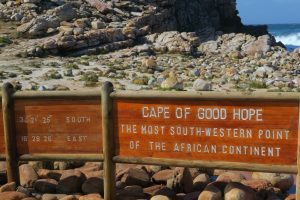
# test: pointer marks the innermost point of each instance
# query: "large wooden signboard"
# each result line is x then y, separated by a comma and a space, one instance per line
261, 132
61, 126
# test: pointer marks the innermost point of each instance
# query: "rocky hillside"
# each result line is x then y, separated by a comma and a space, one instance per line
94, 26
140, 45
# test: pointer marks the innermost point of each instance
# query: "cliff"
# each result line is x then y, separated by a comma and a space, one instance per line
94, 26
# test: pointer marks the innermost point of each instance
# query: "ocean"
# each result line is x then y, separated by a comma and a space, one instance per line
288, 34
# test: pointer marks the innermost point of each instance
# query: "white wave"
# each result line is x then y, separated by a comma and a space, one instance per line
291, 39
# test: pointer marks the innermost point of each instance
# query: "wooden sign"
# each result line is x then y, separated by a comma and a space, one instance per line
259, 132
58, 126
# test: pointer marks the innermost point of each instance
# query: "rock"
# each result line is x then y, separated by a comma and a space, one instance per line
257, 184
237, 191
172, 82
261, 45
153, 190
263, 72
8, 187
160, 197
70, 182
70, 197
27, 175
200, 182
53, 196
45, 185
65, 12
282, 181
100, 6
210, 193
12, 195
165, 192
30, 198
91, 197
26, 191
38, 164
98, 24
237, 45
93, 185
181, 181
230, 177
162, 176
49, 174
192, 196
202, 85
176, 42
291, 197
135, 176
149, 63
131, 192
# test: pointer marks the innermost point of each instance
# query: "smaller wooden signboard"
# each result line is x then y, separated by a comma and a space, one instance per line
60, 126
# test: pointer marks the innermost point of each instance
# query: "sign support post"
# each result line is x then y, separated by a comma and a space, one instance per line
108, 142
10, 134
298, 161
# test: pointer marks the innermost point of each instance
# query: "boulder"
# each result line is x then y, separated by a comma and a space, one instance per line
200, 182
8, 187
93, 185
12, 195
135, 176
131, 192
238, 191
162, 176
230, 177
282, 181
91, 197
172, 82
176, 42
160, 197
27, 175
210, 193
181, 181
202, 85
46, 185
53, 196
70, 182
257, 184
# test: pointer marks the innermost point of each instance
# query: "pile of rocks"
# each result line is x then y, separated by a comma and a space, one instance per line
94, 26
144, 182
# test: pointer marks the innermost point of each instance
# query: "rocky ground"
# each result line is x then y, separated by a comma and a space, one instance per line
129, 44
84, 181
180, 45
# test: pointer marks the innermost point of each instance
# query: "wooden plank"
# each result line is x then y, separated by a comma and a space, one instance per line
108, 143
58, 126
61, 157
95, 94
208, 164
9, 133
205, 95
185, 130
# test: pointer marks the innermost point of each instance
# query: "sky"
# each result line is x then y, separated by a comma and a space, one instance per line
269, 11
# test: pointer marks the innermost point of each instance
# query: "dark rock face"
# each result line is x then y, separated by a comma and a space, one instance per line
204, 17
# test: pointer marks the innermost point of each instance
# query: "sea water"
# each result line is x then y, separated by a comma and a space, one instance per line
288, 34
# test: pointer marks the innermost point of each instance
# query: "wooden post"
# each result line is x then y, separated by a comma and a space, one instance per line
9, 133
298, 160
108, 142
